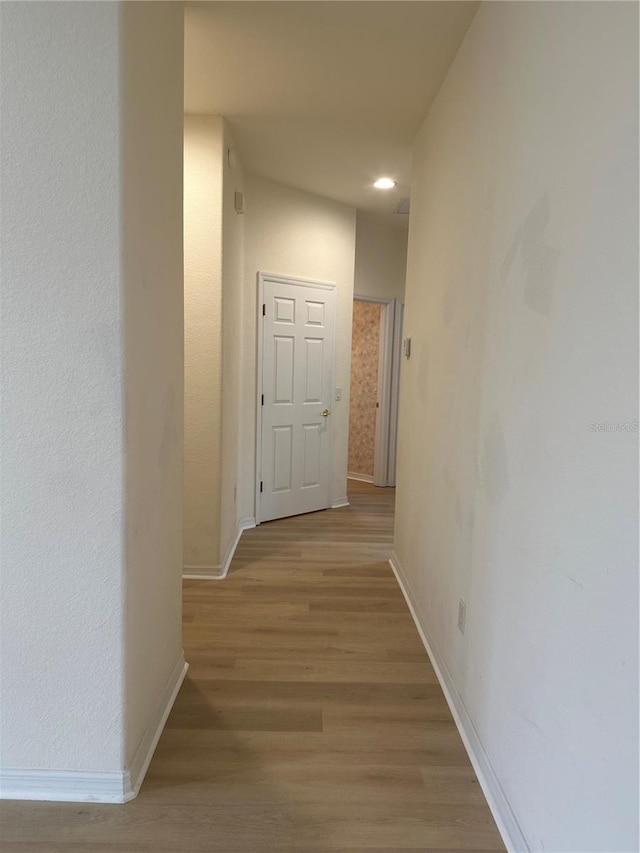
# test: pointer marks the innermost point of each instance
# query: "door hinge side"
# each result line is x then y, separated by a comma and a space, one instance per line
261, 485
263, 399
264, 310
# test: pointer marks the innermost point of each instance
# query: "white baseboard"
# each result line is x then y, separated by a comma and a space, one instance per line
242, 525
219, 572
362, 478
501, 810
147, 746
339, 502
79, 786
67, 786
201, 573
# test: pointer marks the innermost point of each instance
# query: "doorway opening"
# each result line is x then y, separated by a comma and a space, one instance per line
375, 376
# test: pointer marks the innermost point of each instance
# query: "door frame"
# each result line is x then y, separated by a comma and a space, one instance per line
398, 323
261, 278
389, 356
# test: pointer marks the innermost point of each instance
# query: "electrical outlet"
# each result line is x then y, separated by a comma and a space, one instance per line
462, 615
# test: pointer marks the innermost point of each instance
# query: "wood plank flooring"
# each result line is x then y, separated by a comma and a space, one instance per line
310, 721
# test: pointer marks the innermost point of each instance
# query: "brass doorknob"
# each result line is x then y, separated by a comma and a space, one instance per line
325, 413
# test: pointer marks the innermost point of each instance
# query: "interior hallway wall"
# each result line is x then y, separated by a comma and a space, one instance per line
293, 233
91, 388
286, 230
381, 256
203, 177
152, 63
517, 489
63, 513
214, 273
365, 351
233, 367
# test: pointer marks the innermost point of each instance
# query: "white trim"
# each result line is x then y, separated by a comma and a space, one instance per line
501, 810
258, 435
362, 478
78, 786
398, 321
241, 526
288, 279
385, 362
202, 573
261, 277
147, 746
67, 786
378, 300
339, 503
218, 573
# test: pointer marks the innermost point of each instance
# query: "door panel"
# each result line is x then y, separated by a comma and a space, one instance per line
285, 311
312, 454
297, 373
314, 361
284, 349
315, 313
282, 462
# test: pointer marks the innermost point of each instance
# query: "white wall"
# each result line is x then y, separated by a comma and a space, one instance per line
62, 386
522, 305
152, 66
87, 300
297, 234
381, 257
203, 169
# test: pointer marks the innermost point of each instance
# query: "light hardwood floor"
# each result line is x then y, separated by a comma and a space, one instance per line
311, 719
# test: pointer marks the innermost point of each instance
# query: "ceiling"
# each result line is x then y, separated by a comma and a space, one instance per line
323, 96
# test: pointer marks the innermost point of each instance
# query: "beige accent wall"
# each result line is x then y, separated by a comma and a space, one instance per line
233, 367
365, 351
214, 268
517, 451
203, 173
293, 233
381, 256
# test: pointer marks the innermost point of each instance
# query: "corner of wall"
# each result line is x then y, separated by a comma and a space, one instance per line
203, 351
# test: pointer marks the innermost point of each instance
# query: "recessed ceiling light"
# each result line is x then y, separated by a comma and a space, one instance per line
384, 184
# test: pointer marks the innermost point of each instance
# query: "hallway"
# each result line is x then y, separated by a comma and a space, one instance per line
310, 720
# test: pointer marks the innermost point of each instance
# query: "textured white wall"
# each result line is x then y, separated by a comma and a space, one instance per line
293, 233
62, 389
203, 157
152, 133
522, 305
381, 257
91, 423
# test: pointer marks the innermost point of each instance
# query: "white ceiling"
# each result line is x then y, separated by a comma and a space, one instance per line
323, 96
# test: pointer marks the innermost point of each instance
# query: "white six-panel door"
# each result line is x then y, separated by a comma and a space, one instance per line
294, 453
